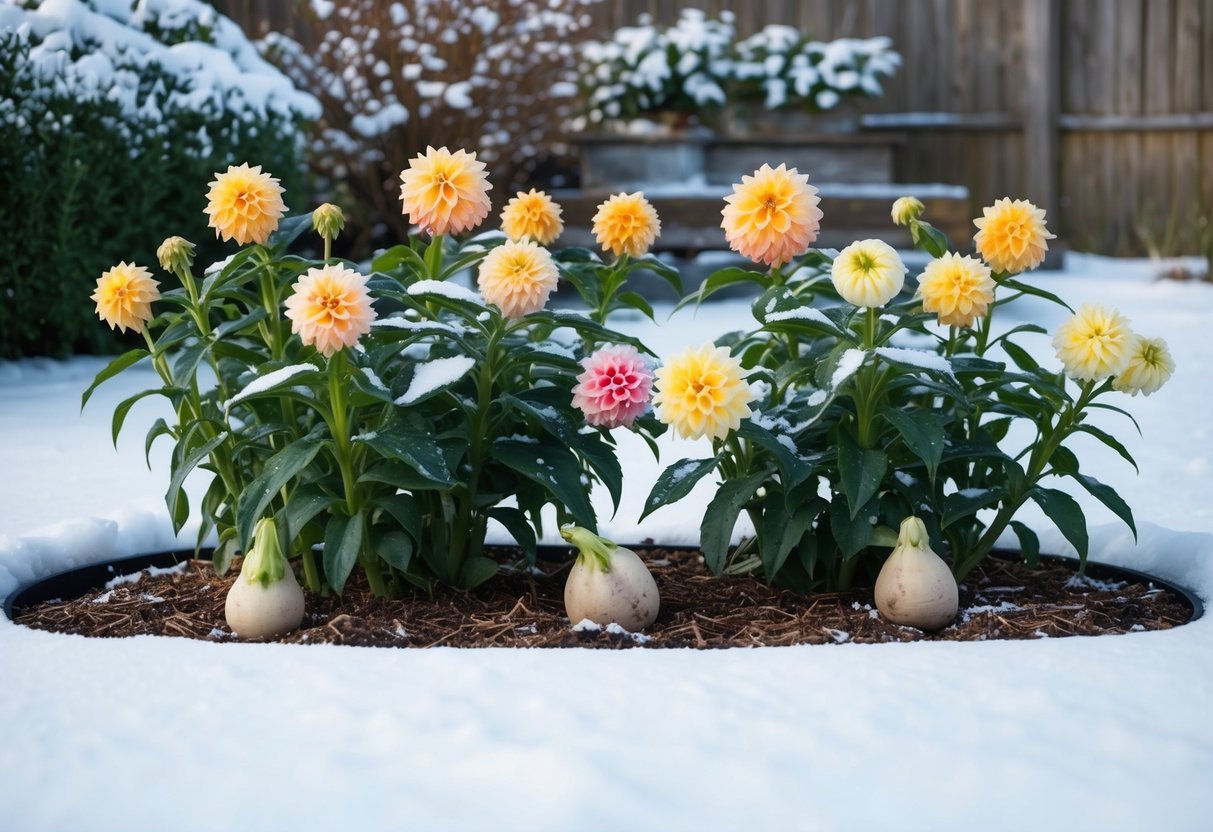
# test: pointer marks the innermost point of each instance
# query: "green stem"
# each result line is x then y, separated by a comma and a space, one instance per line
1050, 441
339, 426
467, 536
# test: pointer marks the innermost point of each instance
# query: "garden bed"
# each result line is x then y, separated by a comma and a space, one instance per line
1002, 599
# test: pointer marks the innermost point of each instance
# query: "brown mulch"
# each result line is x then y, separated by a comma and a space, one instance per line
524, 607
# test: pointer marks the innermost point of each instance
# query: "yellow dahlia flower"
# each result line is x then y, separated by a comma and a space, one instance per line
868, 273
517, 278
1094, 343
905, 209
1150, 366
702, 392
626, 224
1011, 236
444, 192
958, 289
772, 216
124, 297
330, 308
244, 204
532, 216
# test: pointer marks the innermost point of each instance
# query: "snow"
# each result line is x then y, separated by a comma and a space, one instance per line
850, 362
917, 358
1109, 733
801, 313
269, 381
432, 375
444, 289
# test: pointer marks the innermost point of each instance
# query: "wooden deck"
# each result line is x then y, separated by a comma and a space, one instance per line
690, 216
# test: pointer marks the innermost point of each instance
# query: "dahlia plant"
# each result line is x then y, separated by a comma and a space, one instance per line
380, 417
832, 422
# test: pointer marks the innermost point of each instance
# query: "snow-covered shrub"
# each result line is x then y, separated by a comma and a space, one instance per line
783, 68
658, 71
394, 78
110, 113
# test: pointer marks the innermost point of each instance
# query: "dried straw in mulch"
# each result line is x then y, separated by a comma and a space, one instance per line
524, 607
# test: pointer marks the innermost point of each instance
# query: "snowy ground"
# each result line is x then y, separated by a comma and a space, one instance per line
149, 733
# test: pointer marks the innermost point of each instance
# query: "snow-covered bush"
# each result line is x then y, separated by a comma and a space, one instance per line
656, 71
394, 78
696, 67
110, 112
783, 68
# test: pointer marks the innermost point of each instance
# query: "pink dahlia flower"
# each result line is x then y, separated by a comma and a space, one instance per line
615, 387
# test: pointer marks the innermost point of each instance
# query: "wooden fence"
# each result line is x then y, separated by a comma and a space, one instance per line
1101, 110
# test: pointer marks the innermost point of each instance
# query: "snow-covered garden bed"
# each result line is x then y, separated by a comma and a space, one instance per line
1107, 732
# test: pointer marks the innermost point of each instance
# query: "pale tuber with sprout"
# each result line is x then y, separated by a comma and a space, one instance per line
265, 600
915, 587
608, 584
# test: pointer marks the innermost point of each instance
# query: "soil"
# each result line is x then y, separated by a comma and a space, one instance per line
524, 607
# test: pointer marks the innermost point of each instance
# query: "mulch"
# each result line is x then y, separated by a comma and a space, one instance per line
524, 607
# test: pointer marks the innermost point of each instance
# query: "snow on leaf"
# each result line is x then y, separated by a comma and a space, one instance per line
434, 375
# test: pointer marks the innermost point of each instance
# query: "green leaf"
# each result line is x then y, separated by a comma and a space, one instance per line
721, 516
185, 365
269, 386
221, 558
404, 477
717, 280
929, 238
396, 549
1020, 356
404, 510
676, 481
554, 468
476, 570
792, 469
240, 324
413, 447
852, 534
861, 471
1112, 442
637, 301
124, 407
1108, 496
1063, 461
174, 498
451, 370
278, 471
962, 504
342, 542
395, 257
782, 529
516, 524
1029, 543
289, 229
159, 428
304, 504
112, 369
1066, 514
1029, 289
923, 434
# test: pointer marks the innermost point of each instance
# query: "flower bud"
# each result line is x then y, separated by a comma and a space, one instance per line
176, 254
905, 209
328, 220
